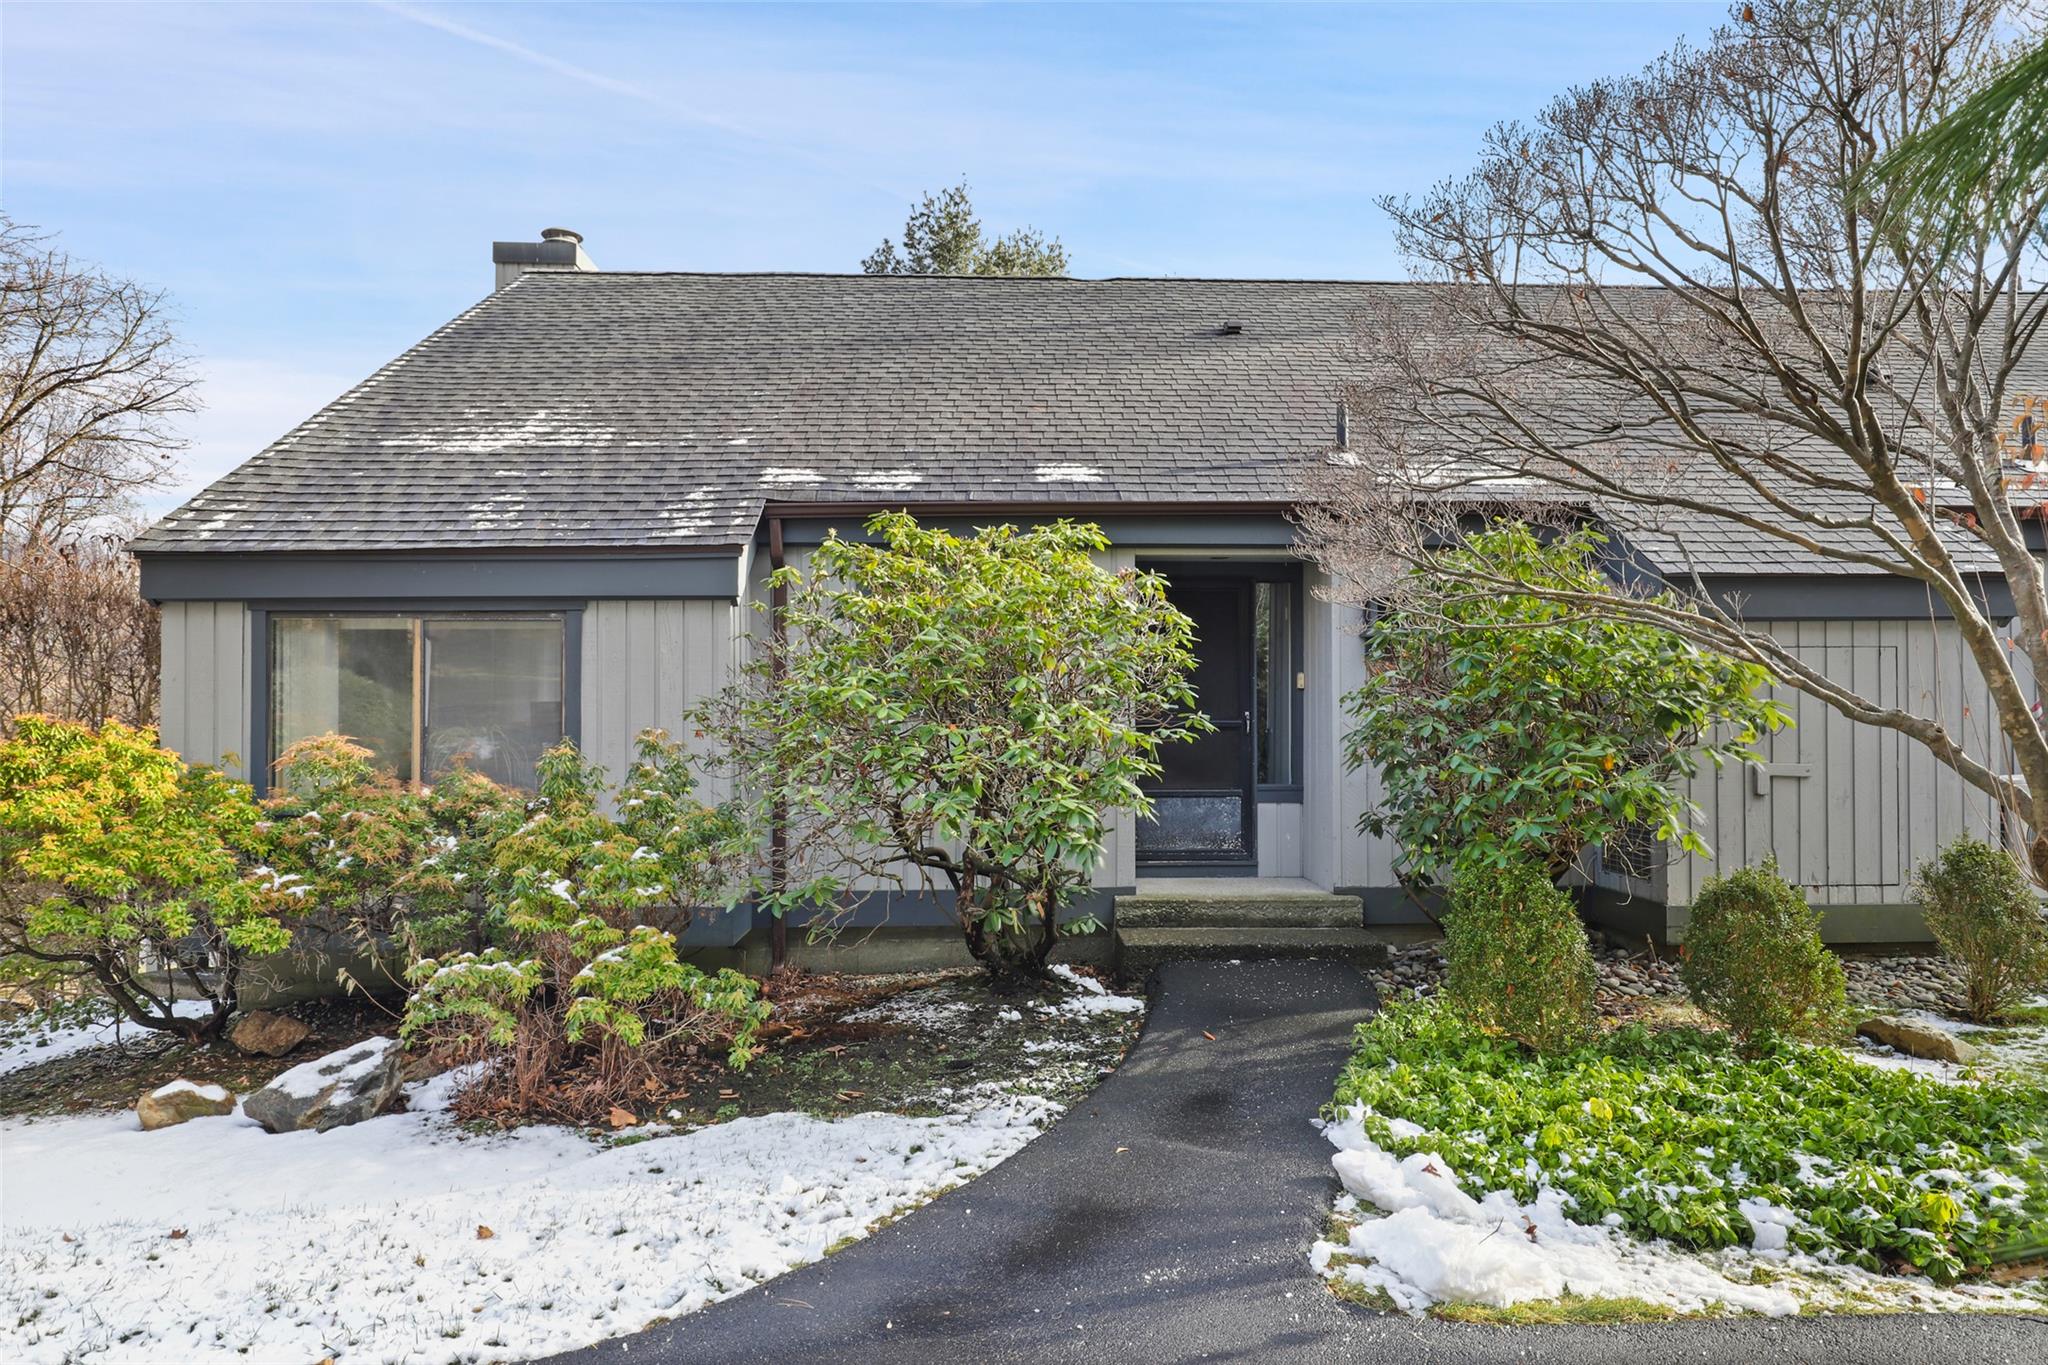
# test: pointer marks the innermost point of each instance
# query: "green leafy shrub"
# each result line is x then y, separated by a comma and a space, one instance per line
1518, 964
1986, 915
356, 852
1753, 958
586, 1003
119, 865
970, 708
1672, 1131
1507, 727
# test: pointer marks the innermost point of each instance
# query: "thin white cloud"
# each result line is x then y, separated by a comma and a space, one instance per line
598, 80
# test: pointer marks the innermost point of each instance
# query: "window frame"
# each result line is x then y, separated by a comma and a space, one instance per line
262, 655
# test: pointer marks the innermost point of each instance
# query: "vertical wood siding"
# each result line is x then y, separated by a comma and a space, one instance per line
1850, 810
205, 691
1280, 839
645, 663
1333, 851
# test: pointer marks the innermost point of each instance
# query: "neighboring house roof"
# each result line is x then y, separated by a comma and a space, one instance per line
644, 411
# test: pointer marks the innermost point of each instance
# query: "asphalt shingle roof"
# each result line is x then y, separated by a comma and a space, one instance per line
662, 410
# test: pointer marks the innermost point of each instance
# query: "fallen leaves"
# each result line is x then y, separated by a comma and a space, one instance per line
621, 1118
177, 1235
484, 1234
1210, 1036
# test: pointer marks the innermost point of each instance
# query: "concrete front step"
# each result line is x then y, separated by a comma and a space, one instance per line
1140, 950
1225, 910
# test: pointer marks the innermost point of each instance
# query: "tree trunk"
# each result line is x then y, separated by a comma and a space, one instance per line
1015, 959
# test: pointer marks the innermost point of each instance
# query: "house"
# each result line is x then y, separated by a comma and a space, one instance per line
555, 515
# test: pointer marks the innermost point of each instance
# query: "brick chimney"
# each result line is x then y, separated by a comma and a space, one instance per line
557, 249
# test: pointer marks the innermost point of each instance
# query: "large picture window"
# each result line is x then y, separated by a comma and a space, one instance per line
423, 691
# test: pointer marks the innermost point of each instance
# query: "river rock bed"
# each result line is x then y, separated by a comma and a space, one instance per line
1894, 980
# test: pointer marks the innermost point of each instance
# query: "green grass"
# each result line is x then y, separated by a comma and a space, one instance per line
1672, 1130
1566, 1308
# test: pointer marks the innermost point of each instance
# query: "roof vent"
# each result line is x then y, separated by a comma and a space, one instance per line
1230, 329
559, 249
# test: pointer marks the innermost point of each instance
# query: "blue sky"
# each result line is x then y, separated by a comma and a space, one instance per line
317, 186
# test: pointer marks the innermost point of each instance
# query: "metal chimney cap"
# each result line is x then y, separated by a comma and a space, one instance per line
560, 235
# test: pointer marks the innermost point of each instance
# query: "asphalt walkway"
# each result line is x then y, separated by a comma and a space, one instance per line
1168, 1217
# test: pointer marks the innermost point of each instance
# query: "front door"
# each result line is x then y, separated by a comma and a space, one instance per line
1205, 810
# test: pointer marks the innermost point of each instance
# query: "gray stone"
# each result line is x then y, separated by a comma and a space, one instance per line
344, 1087
268, 1034
1916, 1039
181, 1101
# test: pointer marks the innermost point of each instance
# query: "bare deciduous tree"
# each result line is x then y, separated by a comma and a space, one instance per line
1659, 306
91, 385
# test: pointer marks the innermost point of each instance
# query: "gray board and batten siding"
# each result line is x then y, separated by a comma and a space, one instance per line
1849, 810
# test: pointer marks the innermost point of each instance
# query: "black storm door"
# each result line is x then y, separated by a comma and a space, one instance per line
1205, 809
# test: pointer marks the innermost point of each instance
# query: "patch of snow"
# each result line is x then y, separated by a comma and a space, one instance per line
930, 1010
308, 1079
365, 1243
778, 476
181, 1086
888, 480
1886, 1059
1067, 473
31, 1042
1089, 996
1940, 1022
1439, 1244
542, 430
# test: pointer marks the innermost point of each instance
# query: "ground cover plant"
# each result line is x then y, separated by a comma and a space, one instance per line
971, 708
1681, 1135
1984, 912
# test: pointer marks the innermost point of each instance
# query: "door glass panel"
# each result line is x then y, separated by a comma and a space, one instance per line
493, 696
1195, 826
1273, 680
348, 675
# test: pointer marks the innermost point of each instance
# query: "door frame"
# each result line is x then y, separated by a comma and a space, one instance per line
1243, 574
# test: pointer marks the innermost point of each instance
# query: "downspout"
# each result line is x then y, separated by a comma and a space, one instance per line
778, 815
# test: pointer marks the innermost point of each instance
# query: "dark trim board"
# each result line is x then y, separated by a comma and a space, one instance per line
480, 580
1842, 597
1390, 904
1229, 528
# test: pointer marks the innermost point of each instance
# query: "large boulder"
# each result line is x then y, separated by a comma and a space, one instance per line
182, 1100
1916, 1039
268, 1034
343, 1087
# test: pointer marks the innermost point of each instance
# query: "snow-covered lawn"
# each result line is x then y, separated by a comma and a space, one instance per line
38, 1038
1416, 1235
410, 1239
404, 1239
